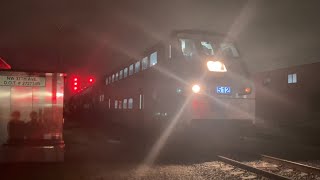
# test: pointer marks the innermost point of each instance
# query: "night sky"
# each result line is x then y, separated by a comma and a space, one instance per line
93, 37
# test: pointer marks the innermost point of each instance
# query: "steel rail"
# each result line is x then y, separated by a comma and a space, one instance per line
257, 171
291, 164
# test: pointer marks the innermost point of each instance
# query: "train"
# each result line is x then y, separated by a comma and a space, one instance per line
193, 77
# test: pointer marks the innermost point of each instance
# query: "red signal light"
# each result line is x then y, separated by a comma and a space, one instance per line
91, 80
75, 84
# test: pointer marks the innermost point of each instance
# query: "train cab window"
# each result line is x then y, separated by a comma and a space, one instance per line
206, 48
153, 59
130, 103
125, 103
116, 104
130, 69
120, 74
188, 47
144, 63
137, 67
117, 76
112, 77
125, 72
229, 50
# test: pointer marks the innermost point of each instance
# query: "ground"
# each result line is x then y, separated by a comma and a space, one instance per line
110, 152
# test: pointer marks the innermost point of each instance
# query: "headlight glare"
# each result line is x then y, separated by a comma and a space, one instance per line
196, 88
216, 66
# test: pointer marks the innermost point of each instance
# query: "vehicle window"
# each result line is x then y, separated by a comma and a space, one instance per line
206, 48
229, 50
116, 104
112, 77
120, 104
144, 63
130, 103
125, 72
137, 67
153, 59
120, 74
130, 69
107, 81
117, 75
109, 104
125, 104
188, 47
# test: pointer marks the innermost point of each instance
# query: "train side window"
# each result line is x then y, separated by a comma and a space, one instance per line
130, 69
125, 104
116, 104
125, 72
153, 59
112, 77
141, 102
130, 103
109, 104
117, 76
120, 104
120, 74
144, 63
107, 81
137, 67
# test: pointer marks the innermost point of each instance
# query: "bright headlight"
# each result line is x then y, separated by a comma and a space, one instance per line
196, 88
216, 66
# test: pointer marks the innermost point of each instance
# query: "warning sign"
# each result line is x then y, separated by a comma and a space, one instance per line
22, 81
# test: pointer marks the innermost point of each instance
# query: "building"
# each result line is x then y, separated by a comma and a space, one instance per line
289, 97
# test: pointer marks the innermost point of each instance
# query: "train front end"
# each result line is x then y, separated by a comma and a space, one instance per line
218, 86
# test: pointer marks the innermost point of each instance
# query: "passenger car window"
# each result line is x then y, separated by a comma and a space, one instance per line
120, 74
130, 103
125, 104
125, 72
144, 63
116, 104
137, 67
153, 59
130, 69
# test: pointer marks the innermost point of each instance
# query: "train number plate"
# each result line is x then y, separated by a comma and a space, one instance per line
223, 90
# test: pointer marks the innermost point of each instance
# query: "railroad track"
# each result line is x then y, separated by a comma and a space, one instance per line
275, 168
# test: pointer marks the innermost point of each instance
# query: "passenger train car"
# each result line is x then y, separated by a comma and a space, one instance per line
194, 77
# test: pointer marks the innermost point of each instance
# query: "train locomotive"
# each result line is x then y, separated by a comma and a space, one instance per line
193, 77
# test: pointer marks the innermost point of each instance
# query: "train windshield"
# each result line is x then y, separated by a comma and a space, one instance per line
191, 48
